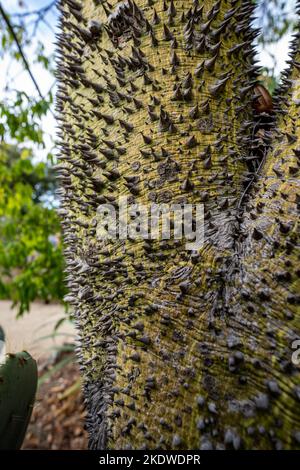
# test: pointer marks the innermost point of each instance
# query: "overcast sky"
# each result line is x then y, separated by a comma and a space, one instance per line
20, 80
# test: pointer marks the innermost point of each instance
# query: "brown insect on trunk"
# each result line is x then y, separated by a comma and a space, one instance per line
263, 102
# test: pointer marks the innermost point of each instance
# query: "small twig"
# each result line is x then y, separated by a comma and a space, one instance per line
48, 24
27, 67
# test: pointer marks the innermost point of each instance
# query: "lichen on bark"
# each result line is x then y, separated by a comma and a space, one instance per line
178, 349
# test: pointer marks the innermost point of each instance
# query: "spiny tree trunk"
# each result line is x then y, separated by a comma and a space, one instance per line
179, 349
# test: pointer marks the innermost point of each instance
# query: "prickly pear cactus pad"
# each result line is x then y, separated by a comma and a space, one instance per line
2, 345
179, 349
18, 383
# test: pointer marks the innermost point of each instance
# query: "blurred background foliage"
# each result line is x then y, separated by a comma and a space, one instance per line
276, 21
31, 252
275, 18
31, 258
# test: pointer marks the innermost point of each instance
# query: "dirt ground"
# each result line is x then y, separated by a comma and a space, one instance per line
57, 421
32, 331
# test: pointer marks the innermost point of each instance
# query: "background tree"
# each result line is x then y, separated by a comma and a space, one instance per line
180, 349
31, 260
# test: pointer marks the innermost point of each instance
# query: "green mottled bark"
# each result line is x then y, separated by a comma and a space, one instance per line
179, 349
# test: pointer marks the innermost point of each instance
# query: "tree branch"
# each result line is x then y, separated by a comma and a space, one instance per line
26, 64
